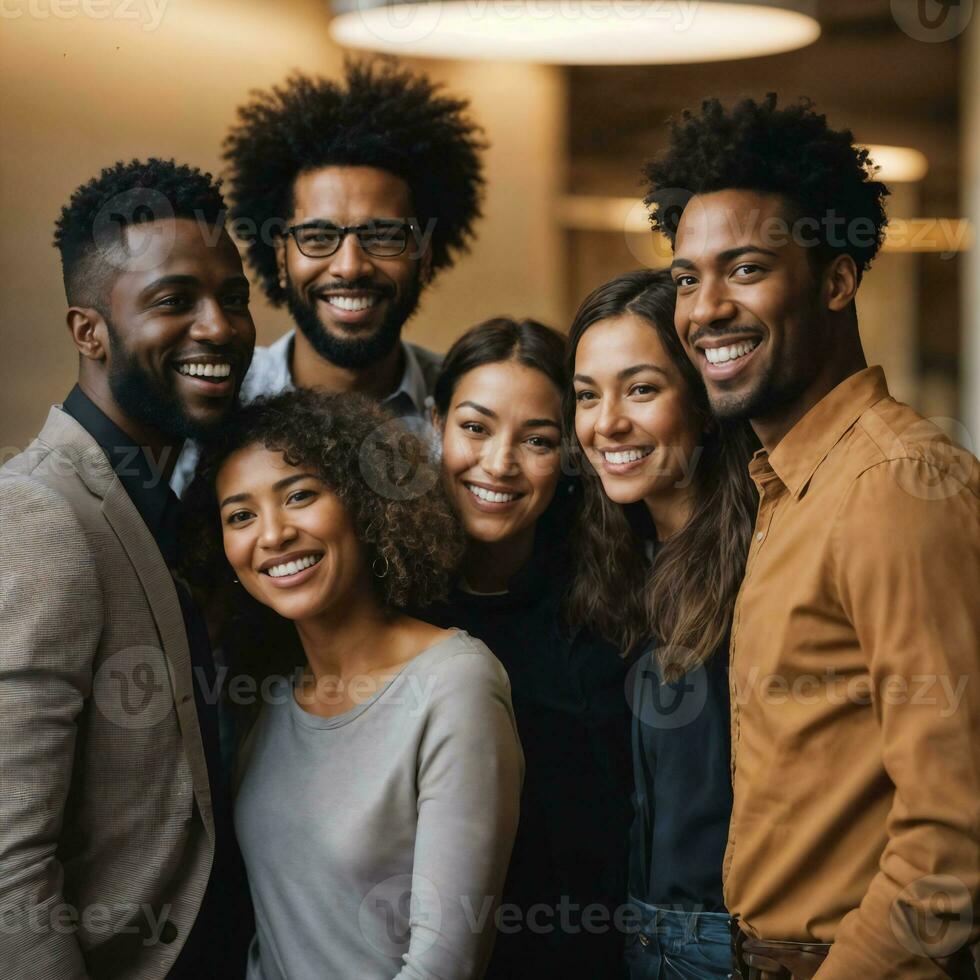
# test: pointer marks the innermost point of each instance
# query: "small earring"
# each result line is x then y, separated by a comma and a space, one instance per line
374, 566
282, 282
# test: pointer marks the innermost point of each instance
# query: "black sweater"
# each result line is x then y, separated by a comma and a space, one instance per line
571, 851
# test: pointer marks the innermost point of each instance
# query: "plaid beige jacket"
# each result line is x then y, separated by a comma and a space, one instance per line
104, 857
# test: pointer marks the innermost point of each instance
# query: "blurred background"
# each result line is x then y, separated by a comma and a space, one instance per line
84, 83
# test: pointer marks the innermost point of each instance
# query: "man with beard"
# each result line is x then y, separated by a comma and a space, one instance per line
117, 855
351, 197
854, 848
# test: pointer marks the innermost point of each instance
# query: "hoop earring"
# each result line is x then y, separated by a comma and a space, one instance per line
374, 567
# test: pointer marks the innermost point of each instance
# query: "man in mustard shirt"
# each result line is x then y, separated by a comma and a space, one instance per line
854, 848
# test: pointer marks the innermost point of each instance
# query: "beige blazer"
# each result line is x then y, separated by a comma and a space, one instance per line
104, 857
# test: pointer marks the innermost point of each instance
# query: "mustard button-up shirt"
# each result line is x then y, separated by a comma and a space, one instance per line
856, 691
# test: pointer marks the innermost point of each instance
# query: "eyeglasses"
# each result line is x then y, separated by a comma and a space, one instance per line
382, 239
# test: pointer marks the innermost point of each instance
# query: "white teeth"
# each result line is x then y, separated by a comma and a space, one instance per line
209, 370
719, 355
352, 303
292, 567
628, 456
490, 496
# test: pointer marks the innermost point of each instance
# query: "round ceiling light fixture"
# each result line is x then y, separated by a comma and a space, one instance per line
898, 164
580, 32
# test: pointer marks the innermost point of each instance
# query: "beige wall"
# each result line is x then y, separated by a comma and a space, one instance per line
78, 93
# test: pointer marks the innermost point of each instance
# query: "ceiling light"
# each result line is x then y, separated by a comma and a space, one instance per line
585, 32
898, 164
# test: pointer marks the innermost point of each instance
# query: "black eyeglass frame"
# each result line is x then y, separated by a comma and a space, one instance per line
408, 224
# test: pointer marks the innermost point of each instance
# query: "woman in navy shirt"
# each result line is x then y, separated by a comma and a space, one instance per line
659, 554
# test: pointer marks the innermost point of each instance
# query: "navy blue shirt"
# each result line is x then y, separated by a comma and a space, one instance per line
571, 850
683, 801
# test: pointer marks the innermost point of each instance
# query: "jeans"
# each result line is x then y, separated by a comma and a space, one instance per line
674, 945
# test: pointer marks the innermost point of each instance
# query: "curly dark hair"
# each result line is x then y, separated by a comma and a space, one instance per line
124, 194
418, 538
381, 116
787, 151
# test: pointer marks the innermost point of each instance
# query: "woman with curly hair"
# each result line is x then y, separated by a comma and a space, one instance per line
498, 411
379, 783
660, 547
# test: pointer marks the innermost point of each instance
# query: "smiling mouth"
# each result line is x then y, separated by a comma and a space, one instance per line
732, 352
213, 371
621, 456
292, 567
491, 496
350, 304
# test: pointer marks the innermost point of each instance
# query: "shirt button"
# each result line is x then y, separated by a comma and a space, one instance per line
759, 536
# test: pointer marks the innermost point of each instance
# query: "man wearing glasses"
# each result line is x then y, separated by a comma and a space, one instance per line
350, 198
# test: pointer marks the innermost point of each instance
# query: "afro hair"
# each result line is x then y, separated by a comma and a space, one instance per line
124, 194
380, 116
789, 152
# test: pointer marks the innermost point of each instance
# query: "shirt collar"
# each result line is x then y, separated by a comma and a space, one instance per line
408, 398
141, 475
413, 382
807, 444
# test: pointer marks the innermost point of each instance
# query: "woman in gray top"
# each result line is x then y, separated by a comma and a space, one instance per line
379, 780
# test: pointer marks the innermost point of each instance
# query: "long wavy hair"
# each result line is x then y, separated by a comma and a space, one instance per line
683, 599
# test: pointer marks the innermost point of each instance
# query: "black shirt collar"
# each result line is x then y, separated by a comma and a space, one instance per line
140, 474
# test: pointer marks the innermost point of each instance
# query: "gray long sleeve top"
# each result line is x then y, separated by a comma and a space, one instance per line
376, 841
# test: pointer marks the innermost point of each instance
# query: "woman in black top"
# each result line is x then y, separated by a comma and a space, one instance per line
498, 412
660, 552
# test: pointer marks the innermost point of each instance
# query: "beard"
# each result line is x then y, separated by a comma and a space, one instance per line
147, 399
354, 352
770, 393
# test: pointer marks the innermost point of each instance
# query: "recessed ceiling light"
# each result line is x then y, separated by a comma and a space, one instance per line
584, 32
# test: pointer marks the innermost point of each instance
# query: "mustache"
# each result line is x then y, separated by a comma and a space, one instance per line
363, 284
741, 333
